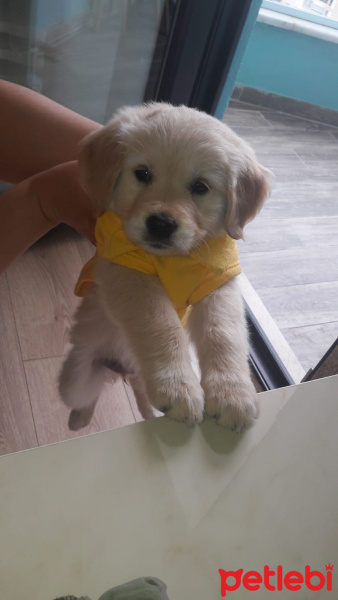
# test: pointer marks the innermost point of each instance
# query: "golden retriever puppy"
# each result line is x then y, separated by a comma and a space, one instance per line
174, 188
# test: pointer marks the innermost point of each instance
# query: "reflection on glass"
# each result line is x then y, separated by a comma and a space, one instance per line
91, 56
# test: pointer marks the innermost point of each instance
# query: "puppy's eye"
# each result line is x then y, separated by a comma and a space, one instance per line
142, 174
199, 187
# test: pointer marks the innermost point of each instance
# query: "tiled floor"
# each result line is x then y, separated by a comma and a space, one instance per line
291, 251
36, 308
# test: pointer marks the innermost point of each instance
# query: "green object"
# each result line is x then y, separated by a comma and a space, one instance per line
143, 588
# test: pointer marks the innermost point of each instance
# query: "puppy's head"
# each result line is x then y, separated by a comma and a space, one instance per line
175, 176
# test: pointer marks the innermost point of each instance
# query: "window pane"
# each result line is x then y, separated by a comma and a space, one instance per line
322, 8
90, 56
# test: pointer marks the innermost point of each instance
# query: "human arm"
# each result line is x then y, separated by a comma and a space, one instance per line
38, 151
36, 132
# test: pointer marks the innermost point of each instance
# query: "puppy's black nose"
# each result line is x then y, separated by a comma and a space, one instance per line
161, 226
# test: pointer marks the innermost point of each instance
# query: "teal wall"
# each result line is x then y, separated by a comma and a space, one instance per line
238, 57
291, 64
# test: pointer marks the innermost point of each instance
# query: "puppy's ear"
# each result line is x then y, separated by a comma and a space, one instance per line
247, 195
99, 163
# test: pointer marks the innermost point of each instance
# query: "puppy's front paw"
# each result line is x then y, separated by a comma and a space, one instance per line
179, 396
234, 404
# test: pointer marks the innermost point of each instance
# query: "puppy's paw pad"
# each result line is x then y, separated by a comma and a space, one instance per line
185, 413
234, 406
238, 418
179, 399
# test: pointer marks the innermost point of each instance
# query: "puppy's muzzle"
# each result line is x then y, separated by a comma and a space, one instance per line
160, 227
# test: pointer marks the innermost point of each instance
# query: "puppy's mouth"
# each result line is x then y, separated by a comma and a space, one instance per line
158, 245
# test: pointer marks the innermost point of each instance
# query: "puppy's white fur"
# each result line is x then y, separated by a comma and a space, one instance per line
127, 318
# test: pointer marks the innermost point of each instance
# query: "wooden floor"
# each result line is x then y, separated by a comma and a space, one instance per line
291, 251
36, 306
290, 257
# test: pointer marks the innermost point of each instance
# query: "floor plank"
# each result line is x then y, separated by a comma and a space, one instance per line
299, 306
244, 118
311, 342
303, 202
295, 266
285, 122
51, 415
17, 431
41, 284
270, 234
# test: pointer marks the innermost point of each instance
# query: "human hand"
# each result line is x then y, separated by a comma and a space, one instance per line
39, 203
62, 199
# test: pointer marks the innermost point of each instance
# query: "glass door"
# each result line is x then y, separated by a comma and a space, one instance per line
95, 56
90, 56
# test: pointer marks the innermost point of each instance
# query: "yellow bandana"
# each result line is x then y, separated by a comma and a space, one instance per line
186, 279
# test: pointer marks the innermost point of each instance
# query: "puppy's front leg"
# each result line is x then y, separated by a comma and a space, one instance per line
157, 340
218, 330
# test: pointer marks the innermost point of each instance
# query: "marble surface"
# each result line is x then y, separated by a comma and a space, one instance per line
159, 499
